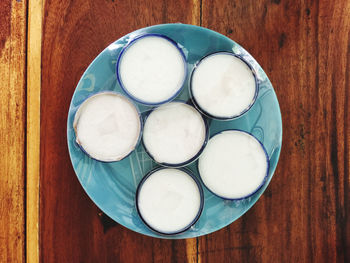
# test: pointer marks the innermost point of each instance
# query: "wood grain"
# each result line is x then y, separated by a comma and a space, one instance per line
12, 127
72, 229
304, 214
33, 128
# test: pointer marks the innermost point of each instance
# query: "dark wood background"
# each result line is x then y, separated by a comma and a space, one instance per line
304, 47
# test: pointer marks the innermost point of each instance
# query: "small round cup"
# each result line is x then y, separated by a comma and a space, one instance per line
189, 161
193, 222
125, 89
77, 116
256, 189
205, 112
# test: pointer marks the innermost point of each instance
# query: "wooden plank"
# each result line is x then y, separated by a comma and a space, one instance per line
72, 229
33, 128
192, 243
12, 129
304, 214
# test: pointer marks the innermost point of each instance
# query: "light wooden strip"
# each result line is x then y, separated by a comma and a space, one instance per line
33, 126
191, 250
196, 12
12, 127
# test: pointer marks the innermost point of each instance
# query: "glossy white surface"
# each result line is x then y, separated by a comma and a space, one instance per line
152, 69
169, 200
174, 133
107, 126
233, 165
223, 85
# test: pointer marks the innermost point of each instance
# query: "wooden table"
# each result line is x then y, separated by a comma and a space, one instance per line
304, 47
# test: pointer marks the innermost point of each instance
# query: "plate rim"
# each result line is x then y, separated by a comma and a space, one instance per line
262, 189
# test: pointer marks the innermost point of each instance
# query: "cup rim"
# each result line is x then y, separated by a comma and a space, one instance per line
133, 41
200, 210
192, 159
262, 182
206, 113
75, 121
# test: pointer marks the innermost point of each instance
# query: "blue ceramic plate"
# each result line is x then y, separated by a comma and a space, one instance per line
112, 186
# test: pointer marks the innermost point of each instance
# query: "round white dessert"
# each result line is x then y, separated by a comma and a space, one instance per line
152, 69
107, 126
174, 134
169, 200
233, 165
223, 86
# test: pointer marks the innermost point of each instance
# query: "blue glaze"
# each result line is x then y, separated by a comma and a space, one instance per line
112, 186
121, 57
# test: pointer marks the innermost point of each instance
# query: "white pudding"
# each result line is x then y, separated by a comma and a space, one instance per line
174, 133
233, 165
152, 69
107, 126
223, 86
169, 200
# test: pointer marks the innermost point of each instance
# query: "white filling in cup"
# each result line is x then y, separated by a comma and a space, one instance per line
152, 69
169, 201
107, 126
174, 134
223, 86
234, 165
